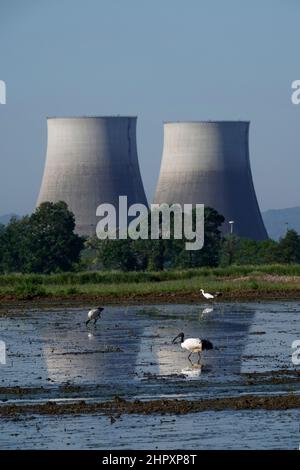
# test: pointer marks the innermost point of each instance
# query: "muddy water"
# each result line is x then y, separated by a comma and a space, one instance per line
207, 430
55, 357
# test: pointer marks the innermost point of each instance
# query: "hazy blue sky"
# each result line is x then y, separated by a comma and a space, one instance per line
159, 59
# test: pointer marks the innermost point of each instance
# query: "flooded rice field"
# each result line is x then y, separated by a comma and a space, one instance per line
53, 358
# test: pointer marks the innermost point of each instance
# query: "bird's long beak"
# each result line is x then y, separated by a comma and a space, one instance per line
174, 340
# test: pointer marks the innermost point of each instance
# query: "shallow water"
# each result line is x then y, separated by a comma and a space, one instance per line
130, 354
207, 430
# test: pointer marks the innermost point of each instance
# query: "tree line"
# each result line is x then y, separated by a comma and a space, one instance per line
45, 242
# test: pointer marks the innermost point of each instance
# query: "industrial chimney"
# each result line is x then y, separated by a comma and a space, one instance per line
90, 161
208, 163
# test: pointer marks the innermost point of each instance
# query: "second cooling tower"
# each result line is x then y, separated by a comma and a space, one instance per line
208, 163
90, 161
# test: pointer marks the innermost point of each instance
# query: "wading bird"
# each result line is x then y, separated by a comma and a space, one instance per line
194, 345
94, 315
209, 296
207, 310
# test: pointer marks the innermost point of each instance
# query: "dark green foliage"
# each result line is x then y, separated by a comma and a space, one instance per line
45, 243
289, 248
52, 244
242, 251
2, 245
117, 254
13, 245
209, 255
156, 255
42, 243
27, 290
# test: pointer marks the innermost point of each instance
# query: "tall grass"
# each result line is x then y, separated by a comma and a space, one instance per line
116, 277
164, 289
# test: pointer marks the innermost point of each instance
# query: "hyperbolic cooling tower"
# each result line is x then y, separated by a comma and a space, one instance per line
208, 163
90, 161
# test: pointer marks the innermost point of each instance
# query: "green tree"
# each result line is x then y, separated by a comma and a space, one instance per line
51, 242
2, 246
44, 242
229, 249
289, 247
14, 244
117, 254
128, 255
156, 255
159, 254
241, 251
209, 255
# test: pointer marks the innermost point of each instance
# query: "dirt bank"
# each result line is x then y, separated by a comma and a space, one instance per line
185, 297
119, 406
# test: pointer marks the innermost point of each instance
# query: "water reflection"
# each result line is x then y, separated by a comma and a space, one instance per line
204, 312
106, 354
192, 372
274, 327
130, 345
226, 326
207, 310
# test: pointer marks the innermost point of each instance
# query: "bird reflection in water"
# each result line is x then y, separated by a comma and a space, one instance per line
206, 311
192, 372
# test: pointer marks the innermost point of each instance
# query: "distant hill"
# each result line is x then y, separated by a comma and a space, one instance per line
4, 219
276, 219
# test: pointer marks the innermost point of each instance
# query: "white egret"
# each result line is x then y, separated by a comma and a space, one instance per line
94, 315
207, 310
209, 296
194, 345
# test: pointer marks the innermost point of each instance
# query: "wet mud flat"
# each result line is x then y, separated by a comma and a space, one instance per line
127, 368
238, 294
119, 406
206, 430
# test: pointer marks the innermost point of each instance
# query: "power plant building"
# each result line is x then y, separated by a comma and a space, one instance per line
208, 163
90, 161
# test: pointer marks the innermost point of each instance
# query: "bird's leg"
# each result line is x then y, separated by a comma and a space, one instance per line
87, 322
190, 356
95, 321
199, 359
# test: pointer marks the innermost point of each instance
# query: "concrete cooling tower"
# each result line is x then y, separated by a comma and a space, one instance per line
90, 161
208, 163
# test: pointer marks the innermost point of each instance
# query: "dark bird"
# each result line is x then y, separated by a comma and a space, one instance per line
94, 315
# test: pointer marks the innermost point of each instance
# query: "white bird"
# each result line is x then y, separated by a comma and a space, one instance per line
209, 296
94, 314
194, 345
207, 310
